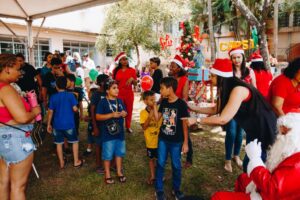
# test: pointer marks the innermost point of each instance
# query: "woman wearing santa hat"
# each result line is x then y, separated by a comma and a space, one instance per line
234, 133
126, 78
262, 75
277, 180
242, 102
178, 72
284, 92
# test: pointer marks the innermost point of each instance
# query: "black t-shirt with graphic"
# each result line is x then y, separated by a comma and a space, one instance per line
172, 126
49, 82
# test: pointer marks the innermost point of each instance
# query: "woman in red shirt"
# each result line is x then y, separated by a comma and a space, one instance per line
262, 75
126, 78
284, 92
182, 91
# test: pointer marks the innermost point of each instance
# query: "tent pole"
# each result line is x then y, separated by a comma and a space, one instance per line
30, 47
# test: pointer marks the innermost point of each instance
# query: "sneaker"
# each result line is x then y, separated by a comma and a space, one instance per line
178, 194
100, 170
129, 130
160, 195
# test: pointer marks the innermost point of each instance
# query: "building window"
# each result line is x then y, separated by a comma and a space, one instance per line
168, 27
297, 15
80, 47
13, 45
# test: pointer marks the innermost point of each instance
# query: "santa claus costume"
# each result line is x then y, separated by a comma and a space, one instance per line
278, 179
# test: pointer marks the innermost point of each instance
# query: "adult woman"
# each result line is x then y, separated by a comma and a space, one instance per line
126, 77
234, 133
178, 72
16, 147
262, 75
242, 102
284, 92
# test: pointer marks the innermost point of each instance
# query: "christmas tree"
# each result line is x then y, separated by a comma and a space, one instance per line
187, 41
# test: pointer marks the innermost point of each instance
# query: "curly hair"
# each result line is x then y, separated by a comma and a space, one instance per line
7, 60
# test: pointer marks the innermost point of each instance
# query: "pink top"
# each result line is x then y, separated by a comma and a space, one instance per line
5, 115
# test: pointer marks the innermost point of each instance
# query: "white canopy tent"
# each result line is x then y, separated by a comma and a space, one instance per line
30, 10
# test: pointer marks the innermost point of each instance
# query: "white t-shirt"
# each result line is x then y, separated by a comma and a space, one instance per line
80, 72
89, 64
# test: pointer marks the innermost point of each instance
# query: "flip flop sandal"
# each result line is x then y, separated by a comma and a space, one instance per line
80, 165
122, 179
109, 181
65, 163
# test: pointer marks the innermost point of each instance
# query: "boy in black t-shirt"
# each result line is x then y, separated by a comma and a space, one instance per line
173, 136
157, 74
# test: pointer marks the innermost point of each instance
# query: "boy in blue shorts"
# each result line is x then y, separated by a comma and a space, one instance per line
173, 136
62, 106
111, 112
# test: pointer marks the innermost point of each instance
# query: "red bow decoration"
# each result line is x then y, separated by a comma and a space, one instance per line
189, 64
181, 25
196, 34
165, 42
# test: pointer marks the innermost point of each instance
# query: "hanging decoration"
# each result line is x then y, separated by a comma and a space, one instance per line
165, 42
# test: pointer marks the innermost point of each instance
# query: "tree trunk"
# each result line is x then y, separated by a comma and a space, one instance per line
211, 32
138, 56
263, 45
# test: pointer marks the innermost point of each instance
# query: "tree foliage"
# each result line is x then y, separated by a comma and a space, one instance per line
132, 24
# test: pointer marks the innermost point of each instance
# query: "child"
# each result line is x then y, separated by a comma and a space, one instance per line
111, 112
62, 106
157, 74
173, 137
151, 130
94, 135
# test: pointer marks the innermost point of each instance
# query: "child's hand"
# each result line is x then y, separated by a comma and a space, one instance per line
49, 129
185, 148
96, 132
123, 113
116, 114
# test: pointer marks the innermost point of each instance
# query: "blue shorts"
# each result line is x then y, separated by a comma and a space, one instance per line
14, 145
113, 148
70, 134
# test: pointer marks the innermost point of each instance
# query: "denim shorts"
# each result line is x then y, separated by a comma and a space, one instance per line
60, 135
14, 145
113, 148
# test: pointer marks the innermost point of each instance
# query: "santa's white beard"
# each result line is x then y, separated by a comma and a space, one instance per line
284, 146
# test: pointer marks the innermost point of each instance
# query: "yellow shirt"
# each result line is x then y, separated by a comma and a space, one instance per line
151, 133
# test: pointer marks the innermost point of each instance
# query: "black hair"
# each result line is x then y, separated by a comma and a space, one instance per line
108, 83
20, 55
117, 69
258, 66
101, 78
155, 60
169, 82
56, 61
61, 82
46, 55
292, 68
182, 71
244, 70
146, 94
62, 54
71, 77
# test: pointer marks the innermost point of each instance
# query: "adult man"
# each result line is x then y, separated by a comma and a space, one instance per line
278, 179
30, 79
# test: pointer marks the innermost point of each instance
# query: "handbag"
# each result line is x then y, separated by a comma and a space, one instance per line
112, 125
38, 132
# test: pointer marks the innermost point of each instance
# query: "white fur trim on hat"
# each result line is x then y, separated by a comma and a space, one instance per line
177, 62
240, 51
257, 60
220, 73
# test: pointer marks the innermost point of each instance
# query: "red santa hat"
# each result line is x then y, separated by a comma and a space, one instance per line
179, 61
236, 50
256, 57
119, 56
222, 67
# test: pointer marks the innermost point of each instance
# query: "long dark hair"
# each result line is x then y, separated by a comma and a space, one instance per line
182, 71
225, 87
258, 66
292, 68
117, 69
244, 70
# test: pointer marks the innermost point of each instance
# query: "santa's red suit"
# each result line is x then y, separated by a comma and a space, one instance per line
278, 181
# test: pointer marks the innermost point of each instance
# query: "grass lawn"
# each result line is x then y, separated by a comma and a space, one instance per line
204, 178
